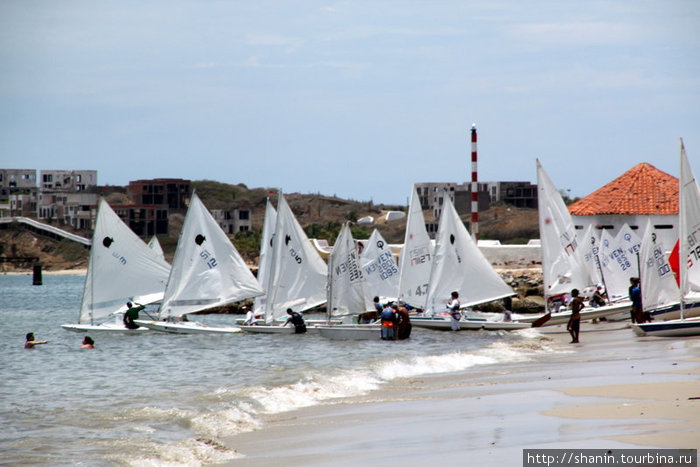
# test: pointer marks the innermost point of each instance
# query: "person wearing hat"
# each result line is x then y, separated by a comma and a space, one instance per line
249, 317
598, 298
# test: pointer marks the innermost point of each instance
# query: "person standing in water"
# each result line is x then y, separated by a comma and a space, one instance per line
453, 306
575, 320
29, 342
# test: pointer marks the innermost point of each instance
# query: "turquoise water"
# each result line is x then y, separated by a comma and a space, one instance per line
164, 399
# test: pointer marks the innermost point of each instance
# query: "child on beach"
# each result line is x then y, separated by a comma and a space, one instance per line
575, 320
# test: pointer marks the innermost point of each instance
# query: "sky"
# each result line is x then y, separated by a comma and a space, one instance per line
358, 99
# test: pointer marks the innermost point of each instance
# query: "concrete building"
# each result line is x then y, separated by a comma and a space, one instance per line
67, 180
17, 192
519, 194
643, 192
68, 208
237, 220
172, 193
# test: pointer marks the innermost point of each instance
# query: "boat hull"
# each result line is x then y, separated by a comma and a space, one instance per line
267, 329
670, 328
445, 324
588, 313
104, 327
186, 327
350, 331
673, 312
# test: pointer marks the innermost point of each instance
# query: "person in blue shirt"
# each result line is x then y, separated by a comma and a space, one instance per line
635, 294
389, 319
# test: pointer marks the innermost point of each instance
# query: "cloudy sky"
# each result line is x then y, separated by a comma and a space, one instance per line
359, 99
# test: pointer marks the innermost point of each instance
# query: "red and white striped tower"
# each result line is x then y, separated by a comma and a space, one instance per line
475, 189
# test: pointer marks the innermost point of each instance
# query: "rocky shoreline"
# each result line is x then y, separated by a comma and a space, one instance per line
525, 282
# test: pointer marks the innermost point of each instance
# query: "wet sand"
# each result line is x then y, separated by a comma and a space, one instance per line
612, 391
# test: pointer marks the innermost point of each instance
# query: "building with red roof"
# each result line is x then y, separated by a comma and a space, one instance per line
643, 192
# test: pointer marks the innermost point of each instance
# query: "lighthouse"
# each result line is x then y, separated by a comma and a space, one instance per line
474, 190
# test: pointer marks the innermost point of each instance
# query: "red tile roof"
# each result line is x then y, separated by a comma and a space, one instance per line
643, 189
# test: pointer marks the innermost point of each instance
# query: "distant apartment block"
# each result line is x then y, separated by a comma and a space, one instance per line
154, 200
432, 197
237, 220
68, 208
519, 194
172, 193
17, 192
67, 180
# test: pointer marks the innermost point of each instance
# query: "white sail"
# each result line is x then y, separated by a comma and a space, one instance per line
619, 260
121, 268
458, 265
298, 271
346, 282
154, 245
590, 251
658, 284
265, 259
379, 268
207, 269
561, 267
689, 229
416, 258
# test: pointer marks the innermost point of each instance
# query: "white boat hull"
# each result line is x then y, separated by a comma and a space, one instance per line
673, 312
186, 327
350, 331
588, 313
444, 323
267, 329
670, 328
117, 327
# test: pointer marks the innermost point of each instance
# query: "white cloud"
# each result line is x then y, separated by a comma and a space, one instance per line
577, 33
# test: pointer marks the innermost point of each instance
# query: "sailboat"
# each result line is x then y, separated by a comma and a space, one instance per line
415, 261
121, 269
562, 268
154, 245
297, 273
619, 261
689, 268
265, 258
380, 269
207, 272
347, 294
458, 265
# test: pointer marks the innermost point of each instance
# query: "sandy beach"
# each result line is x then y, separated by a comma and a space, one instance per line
611, 391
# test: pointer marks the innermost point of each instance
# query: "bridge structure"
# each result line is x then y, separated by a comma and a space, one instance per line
44, 229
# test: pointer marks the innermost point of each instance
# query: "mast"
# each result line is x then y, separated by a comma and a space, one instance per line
682, 232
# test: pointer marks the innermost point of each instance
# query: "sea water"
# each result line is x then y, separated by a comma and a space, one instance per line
168, 399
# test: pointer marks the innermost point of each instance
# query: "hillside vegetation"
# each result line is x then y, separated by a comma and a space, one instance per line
321, 217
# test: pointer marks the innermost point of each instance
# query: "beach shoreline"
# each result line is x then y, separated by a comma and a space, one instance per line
612, 391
